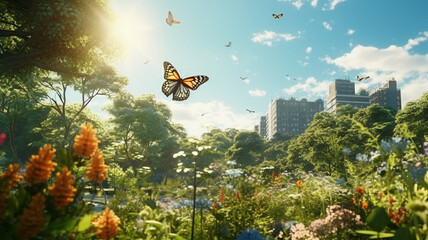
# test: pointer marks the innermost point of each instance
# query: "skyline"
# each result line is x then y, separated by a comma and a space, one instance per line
298, 55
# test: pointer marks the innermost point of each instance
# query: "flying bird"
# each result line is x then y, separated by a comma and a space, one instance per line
228, 44
146, 61
170, 19
277, 16
361, 79
203, 114
178, 87
243, 78
250, 111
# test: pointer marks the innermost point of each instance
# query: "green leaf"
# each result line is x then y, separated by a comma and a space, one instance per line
383, 235
175, 236
85, 223
378, 219
155, 223
403, 233
366, 232
62, 226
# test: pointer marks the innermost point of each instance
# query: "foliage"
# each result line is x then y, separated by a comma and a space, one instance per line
246, 149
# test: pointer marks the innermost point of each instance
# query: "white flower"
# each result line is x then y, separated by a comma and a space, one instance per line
186, 170
195, 153
180, 164
231, 162
200, 148
178, 170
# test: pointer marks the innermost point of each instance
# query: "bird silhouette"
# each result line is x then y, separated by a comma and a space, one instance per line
361, 79
228, 44
250, 111
243, 78
203, 114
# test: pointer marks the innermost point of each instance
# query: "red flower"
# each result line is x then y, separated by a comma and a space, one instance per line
391, 200
364, 205
380, 195
352, 201
272, 177
222, 195
214, 206
255, 194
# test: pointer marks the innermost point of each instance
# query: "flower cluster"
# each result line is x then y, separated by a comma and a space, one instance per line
32, 219
299, 232
8, 180
40, 166
360, 198
107, 224
63, 191
97, 170
86, 142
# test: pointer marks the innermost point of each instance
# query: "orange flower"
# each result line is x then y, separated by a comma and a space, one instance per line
255, 194
380, 195
279, 178
360, 190
364, 205
214, 206
352, 201
63, 191
32, 219
11, 176
222, 195
107, 224
8, 180
40, 166
299, 183
97, 170
238, 195
85, 143
272, 177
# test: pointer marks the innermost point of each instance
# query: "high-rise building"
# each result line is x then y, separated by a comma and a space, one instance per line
387, 95
342, 92
290, 116
261, 128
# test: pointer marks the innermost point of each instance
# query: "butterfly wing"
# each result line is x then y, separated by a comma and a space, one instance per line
280, 15
170, 19
275, 16
172, 78
195, 81
181, 93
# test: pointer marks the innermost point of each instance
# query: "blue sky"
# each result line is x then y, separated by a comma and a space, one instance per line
314, 43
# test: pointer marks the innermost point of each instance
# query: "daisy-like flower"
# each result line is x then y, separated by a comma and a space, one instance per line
86, 142
107, 224
63, 191
299, 183
32, 219
97, 170
40, 166
360, 190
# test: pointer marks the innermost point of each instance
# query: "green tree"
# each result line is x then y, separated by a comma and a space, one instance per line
412, 121
66, 37
247, 148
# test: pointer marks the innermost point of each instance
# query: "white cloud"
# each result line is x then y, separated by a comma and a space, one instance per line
350, 31
334, 3
267, 37
257, 93
327, 26
314, 3
302, 63
382, 64
218, 115
234, 58
298, 4
311, 87
308, 49
247, 81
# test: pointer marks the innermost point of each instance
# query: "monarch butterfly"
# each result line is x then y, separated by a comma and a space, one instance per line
178, 87
170, 19
361, 79
277, 16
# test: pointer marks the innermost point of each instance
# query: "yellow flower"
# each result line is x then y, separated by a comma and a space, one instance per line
32, 219
86, 142
40, 166
97, 170
63, 191
107, 224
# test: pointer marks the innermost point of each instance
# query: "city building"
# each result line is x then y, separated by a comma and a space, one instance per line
342, 92
261, 128
290, 116
387, 95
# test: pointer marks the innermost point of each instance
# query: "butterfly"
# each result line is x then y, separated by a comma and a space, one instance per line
178, 87
228, 44
361, 79
170, 19
277, 16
